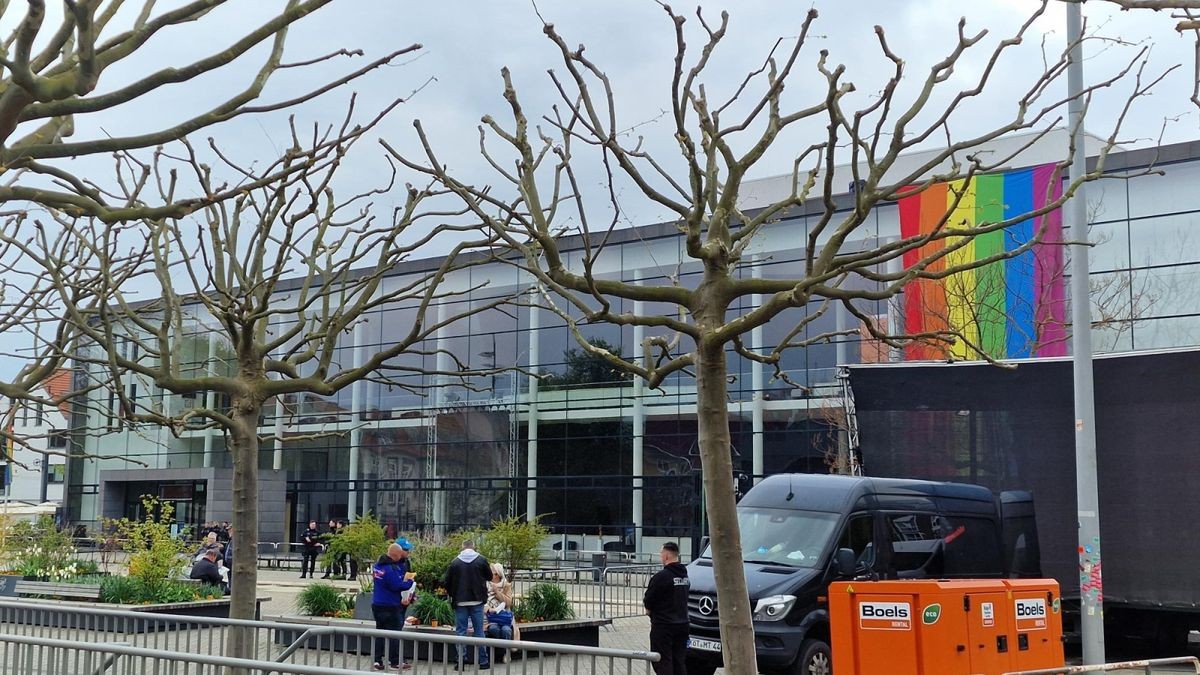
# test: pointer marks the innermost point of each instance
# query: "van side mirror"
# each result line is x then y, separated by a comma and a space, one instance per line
845, 563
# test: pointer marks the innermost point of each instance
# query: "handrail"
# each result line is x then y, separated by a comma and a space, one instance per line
360, 632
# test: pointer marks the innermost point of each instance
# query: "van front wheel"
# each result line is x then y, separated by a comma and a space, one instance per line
815, 659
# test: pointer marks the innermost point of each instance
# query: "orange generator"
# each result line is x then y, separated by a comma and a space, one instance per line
979, 627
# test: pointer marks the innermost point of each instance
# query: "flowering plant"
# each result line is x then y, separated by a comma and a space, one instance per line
44, 552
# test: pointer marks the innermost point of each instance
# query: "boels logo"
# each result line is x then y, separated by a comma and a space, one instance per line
885, 615
1031, 614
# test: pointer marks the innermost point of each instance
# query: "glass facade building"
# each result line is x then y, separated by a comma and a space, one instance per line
599, 456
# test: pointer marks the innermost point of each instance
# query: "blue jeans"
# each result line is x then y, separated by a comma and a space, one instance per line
499, 632
475, 614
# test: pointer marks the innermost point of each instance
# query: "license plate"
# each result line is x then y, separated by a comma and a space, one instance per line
704, 645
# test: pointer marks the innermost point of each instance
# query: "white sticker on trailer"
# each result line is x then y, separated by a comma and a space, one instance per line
1031, 614
885, 615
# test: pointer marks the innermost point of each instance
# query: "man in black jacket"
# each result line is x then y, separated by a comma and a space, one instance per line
206, 570
311, 541
666, 602
466, 584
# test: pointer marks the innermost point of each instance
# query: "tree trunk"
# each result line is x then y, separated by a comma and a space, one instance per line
733, 600
243, 445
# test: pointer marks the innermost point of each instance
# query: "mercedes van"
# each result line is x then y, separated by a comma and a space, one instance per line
800, 532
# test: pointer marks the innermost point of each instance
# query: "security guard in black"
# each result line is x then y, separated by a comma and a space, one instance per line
666, 602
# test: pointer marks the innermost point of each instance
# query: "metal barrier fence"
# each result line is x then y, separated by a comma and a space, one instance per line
190, 644
43, 656
1146, 666
595, 592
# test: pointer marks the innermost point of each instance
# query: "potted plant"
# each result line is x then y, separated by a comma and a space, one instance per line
324, 600
433, 610
363, 542
544, 602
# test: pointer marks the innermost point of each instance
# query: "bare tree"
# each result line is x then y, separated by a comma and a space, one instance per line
37, 342
720, 141
50, 77
54, 66
281, 274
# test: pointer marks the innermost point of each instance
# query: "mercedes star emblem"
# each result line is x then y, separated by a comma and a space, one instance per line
707, 606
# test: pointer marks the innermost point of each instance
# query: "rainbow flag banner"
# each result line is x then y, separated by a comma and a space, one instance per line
1013, 308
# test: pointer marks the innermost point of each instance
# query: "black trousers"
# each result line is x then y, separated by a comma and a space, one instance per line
670, 641
308, 563
388, 618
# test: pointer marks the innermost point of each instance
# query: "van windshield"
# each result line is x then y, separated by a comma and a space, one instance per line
783, 536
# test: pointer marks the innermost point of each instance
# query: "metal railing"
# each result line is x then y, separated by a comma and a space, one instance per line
351, 648
1146, 666
44, 656
595, 592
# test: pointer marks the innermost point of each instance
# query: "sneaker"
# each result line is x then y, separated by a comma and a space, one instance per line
377, 666
401, 667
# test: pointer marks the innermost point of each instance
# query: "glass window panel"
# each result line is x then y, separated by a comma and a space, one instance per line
1165, 240
1166, 291
1110, 246
1167, 333
1149, 195
1107, 200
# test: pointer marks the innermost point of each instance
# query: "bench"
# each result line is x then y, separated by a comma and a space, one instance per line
49, 589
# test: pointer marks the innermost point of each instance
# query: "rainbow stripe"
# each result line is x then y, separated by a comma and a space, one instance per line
1012, 308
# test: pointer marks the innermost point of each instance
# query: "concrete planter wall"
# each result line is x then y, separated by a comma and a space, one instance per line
581, 632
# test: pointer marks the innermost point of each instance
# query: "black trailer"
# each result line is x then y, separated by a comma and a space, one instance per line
1013, 428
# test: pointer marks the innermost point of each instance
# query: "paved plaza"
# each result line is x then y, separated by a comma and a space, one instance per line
283, 587
630, 634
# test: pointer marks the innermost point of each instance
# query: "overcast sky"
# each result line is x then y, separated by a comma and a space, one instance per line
467, 42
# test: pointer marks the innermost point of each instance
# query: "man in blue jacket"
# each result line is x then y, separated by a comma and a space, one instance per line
392, 595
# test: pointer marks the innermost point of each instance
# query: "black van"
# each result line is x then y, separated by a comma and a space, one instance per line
802, 531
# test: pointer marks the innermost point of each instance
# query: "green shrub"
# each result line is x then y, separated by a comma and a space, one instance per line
154, 553
134, 591
121, 591
544, 602
430, 561
513, 543
363, 541
430, 608
323, 600
87, 567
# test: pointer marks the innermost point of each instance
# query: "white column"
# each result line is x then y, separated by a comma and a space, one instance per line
843, 344
531, 443
444, 365
639, 433
210, 398
277, 455
756, 382
357, 395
